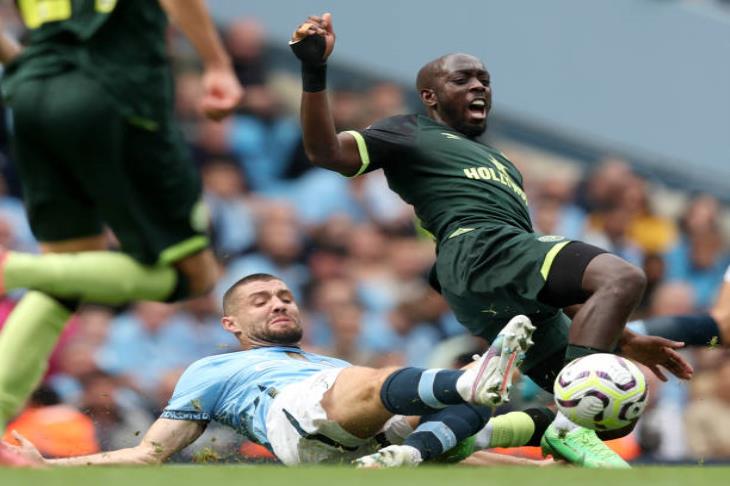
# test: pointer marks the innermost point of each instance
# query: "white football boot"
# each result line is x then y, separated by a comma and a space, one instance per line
391, 456
491, 377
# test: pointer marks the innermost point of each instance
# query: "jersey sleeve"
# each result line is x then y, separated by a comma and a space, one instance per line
196, 394
384, 142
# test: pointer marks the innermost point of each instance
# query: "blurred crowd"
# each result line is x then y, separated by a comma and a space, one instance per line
358, 264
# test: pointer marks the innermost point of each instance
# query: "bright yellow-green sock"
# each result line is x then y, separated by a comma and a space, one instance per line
26, 341
102, 277
515, 429
512, 429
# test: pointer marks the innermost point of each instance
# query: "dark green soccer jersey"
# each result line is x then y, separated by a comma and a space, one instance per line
120, 43
454, 183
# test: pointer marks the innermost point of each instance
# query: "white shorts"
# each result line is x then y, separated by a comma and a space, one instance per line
300, 432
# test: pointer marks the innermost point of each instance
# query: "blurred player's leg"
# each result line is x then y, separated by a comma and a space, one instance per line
100, 277
26, 341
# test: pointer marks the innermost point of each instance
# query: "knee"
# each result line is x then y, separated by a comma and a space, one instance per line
380, 377
202, 283
627, 281
201, 271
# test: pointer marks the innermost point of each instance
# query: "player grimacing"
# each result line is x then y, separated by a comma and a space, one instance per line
490, 263
308, 408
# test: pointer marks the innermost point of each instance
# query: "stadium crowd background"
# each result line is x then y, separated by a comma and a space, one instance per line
357, 262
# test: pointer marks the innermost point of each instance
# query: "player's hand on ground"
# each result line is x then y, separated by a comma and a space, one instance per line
26, 450
314, 39
655, 352
222, 93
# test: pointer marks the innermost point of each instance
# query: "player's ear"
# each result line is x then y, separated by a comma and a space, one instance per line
428, 97
229, 325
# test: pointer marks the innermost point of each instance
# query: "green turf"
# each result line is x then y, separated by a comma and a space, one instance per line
339, 476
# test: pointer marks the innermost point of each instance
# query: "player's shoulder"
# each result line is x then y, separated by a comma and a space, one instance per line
401, 124
218, 362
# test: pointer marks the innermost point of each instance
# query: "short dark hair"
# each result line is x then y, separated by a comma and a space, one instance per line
254, 277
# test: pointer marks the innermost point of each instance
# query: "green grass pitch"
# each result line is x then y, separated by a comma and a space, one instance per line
210, 475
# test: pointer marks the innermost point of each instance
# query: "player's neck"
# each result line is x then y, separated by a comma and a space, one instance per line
259, 344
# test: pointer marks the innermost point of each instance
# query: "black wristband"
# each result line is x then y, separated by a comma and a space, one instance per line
314, 77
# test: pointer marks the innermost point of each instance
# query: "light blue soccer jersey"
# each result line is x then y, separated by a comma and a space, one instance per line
236, 389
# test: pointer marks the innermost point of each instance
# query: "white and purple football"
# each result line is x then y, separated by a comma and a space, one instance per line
601, 392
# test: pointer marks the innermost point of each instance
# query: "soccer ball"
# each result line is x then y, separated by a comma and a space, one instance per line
601, 392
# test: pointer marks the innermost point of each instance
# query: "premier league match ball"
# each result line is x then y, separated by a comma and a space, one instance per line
601, 392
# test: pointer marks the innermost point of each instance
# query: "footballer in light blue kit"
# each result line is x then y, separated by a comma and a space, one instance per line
308, 408
236, 389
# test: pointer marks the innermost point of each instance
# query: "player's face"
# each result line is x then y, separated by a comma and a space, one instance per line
267, 313
464, 95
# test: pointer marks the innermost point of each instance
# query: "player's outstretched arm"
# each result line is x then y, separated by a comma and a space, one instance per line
222, 92
485, 458
312, 42
163, 439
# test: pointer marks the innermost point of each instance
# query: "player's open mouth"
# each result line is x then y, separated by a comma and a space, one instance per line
478, 108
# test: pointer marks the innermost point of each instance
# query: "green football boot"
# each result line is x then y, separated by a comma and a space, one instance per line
581, 447
459, 452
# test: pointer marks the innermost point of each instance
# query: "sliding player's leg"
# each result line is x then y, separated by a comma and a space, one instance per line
451, 403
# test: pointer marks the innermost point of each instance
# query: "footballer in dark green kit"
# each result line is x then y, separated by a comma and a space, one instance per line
90, 97
491, 265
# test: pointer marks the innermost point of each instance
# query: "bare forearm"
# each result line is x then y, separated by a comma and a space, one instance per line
191, 16
131, 456
318, 129
484, 458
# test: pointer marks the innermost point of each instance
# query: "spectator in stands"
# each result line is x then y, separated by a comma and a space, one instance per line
213, 141
263, 139
554, 211
231, 208
245, 41
368, 265
279, 251
604, 185
210, 337
611, 232
700, 257
147, 342
652, 233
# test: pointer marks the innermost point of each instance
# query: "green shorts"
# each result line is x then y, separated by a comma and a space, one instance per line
490, 274
83, 166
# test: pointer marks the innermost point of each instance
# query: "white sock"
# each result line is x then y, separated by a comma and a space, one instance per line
465, 382
414, 455
483, 438
563, 423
